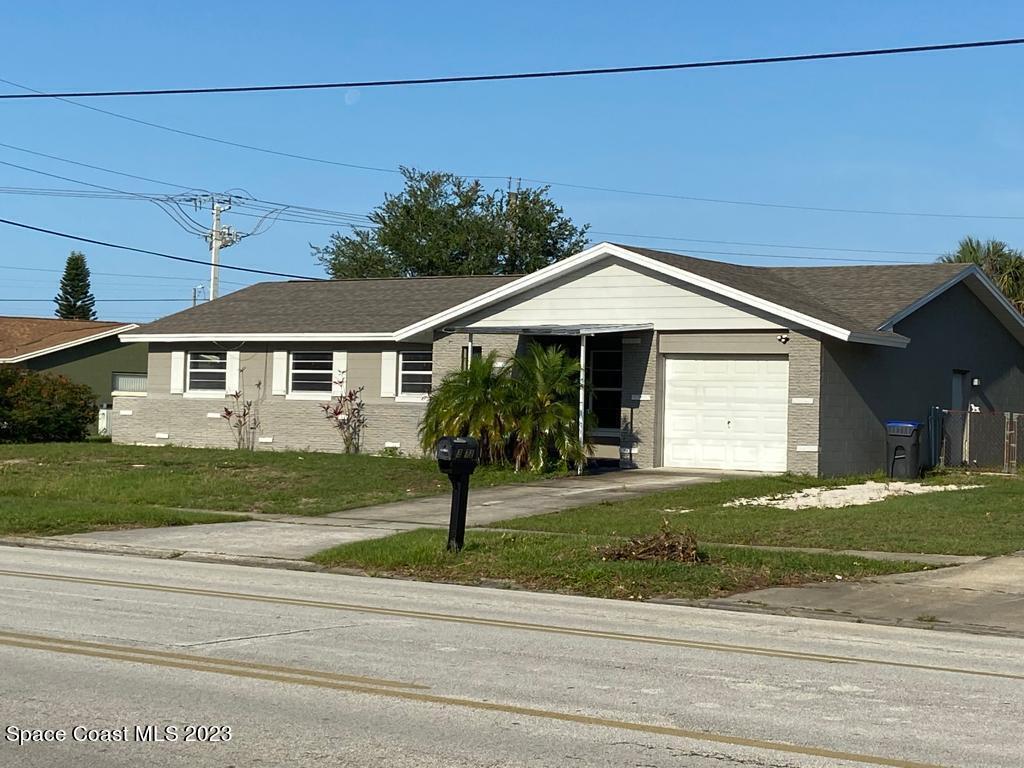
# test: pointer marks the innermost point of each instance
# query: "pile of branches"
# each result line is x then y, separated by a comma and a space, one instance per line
667, 545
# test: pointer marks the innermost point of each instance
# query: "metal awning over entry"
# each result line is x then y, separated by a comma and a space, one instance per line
580, 331
553, 330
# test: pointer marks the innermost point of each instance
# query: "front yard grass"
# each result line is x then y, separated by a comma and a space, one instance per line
54, 488
574, 564
981, 521
47, 517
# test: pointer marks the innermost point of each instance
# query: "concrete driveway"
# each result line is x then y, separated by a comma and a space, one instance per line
293, 537
986, 596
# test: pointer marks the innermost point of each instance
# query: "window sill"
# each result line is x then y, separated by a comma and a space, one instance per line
411, 398
321, 396
128, 394
200, 395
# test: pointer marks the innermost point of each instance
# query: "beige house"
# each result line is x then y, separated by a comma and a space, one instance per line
689, 363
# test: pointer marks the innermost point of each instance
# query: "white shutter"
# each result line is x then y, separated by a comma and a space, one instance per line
388, 373
339, 373
280, 373
233, 371
177, 372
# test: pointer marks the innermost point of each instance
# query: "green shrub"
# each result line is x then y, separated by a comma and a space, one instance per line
43, 407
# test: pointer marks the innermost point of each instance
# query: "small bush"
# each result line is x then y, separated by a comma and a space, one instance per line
43, 407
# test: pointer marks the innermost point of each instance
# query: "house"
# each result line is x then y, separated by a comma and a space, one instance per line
689, 363
86, 351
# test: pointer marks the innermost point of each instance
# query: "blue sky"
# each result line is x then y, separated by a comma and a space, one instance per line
932, 132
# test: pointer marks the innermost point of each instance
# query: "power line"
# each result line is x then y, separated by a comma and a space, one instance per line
106, 244
548, 74
117, 274
104, 300
764, 245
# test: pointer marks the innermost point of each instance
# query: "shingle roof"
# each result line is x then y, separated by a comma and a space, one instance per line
20, 336
860, 298
329, 306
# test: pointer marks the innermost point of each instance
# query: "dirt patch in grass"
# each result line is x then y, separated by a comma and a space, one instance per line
869, 492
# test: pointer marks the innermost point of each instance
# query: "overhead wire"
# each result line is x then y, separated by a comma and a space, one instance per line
544, 74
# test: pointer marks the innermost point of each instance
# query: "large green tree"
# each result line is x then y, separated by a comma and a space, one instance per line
1003, 264
75, 300
443, 224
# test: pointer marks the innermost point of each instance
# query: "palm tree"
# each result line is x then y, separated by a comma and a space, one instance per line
1003, 264
543, 417
471, 402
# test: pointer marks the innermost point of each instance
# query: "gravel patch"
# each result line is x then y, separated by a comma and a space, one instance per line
844, 495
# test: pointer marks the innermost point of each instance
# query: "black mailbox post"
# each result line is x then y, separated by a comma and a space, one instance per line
457, 457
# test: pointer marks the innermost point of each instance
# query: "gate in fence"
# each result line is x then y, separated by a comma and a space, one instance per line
980, 440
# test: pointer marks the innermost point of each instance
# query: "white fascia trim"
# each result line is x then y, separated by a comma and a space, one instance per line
608, 249
69, 344
896, 341
176, 337
928, 297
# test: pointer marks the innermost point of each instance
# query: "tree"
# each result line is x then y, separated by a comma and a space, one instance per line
1003, 264
443, 224
43, 407
75, 300
525, 410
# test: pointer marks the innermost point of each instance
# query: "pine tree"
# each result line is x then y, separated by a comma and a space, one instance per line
75, 300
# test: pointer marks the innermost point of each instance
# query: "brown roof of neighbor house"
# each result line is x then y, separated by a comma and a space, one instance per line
32, 336
860, 298
374, 305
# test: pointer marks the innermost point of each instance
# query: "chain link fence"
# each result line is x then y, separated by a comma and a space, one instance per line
981, 440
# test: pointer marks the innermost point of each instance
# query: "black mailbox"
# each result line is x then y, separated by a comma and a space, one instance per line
457, 457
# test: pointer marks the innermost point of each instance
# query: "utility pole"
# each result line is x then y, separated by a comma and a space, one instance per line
218, 237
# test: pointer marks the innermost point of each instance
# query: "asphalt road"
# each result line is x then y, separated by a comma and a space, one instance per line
312, 669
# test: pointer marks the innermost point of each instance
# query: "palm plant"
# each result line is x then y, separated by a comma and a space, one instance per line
1003, 264
543, 408
471, 402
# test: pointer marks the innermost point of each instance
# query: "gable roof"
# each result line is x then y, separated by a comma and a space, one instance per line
858, 304
23, 338
326, 309
862, 297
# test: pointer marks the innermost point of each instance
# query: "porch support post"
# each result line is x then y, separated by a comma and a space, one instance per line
583, 384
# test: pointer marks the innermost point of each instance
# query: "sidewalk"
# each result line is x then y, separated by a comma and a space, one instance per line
985, 596
285, 539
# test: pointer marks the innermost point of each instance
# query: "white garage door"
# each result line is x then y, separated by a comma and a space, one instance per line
725, 412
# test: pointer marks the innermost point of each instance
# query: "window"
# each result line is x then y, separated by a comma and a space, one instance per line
604, 379
477, 353
207, 371
134, 383
311, 372
414, 372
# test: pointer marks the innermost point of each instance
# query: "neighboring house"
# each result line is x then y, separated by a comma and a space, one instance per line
85, 351
689, 363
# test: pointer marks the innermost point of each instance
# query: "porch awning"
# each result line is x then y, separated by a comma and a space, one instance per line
554, 330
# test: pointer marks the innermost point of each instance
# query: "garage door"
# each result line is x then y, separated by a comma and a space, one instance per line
725, 412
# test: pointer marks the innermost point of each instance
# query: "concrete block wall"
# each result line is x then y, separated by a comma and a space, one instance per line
290, 425
638, 443
804, 402
448, 349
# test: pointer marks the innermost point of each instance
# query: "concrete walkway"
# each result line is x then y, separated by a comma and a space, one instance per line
985, 596
289, 538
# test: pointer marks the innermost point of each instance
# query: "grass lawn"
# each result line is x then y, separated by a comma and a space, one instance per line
574, 564
982, 521
45, 487
47, 517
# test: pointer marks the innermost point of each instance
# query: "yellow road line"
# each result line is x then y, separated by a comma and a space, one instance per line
506, 624
129, 654
20, 637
